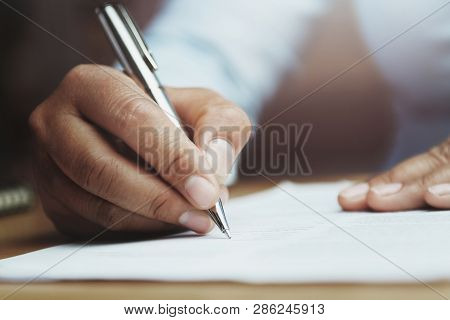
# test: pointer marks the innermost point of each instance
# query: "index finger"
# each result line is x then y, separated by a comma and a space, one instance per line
219, 126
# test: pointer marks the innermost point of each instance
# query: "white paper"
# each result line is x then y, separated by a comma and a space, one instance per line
276, 239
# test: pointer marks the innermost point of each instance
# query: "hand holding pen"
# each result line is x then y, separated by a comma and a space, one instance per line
138, 62
86, 185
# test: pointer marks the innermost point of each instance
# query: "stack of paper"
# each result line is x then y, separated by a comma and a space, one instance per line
291, 233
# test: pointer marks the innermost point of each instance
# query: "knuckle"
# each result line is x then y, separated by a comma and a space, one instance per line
98, 173
158, 207
423, 182
382, 178
103, 214
435, 177
122, 223
392, 175
77, 74
36, 122
441, 153
180, 163
94, 207
109, 221
74, 81
131, 111
114, 223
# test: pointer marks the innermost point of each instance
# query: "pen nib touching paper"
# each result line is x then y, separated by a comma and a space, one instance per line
217, 214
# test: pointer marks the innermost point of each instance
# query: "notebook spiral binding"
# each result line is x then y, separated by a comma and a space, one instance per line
15, 199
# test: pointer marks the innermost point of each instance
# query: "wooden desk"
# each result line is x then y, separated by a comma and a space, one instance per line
31, 231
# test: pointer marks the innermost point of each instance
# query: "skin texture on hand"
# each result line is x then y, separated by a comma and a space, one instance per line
415, 183
86, 184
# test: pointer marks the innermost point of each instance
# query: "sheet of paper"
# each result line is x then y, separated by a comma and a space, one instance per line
292, 233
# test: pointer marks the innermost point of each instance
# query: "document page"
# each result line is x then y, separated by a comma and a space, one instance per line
292, 233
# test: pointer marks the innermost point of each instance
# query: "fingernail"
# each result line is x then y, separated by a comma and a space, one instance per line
357, 190
201, 191
196, 221
387, 189
440, 189
221, 156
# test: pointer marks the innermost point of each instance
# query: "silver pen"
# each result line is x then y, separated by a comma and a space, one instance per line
138, 62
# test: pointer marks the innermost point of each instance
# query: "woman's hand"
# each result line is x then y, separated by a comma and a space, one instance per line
86, 185
419, 181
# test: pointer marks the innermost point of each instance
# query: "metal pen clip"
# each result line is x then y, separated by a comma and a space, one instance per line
140, 43
125, 36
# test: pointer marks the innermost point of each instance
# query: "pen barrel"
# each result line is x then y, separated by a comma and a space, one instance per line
140, 65
156, 91
133, 54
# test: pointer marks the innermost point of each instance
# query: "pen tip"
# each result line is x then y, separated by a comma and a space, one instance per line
227, 232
